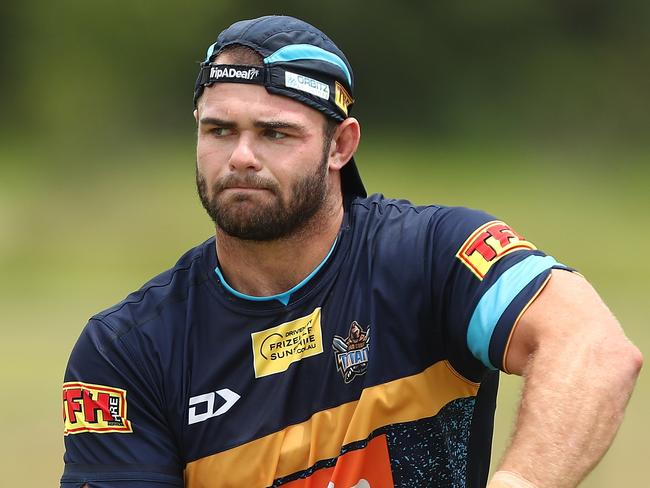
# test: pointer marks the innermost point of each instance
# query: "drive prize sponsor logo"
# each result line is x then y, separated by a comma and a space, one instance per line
94, 408
488, 244
342, 98
247, 74
306, 84
352, 352
275, 349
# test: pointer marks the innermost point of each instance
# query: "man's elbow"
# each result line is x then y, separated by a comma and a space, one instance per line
625, 358
633, 359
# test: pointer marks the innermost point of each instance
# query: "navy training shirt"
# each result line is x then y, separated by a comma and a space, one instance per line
380, 371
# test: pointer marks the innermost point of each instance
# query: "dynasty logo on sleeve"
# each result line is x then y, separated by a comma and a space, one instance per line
94, 408
488, 244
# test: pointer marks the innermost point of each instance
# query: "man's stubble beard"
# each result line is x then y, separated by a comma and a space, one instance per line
270, 220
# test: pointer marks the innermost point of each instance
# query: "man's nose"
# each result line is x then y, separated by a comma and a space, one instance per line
244, 155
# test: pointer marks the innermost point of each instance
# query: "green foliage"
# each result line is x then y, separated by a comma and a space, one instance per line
89, 73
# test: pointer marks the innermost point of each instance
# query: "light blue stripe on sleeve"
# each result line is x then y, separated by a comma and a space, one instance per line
495, 301
295, 52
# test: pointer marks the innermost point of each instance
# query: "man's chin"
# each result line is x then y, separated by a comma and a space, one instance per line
235, 196
247, 230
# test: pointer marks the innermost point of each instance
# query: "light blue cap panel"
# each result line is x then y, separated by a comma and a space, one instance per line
296, 52
209, 53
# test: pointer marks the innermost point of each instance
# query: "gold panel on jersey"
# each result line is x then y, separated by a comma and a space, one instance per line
299, 446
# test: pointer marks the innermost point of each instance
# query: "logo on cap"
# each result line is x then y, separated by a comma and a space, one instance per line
306, 84
343, 99
249, 74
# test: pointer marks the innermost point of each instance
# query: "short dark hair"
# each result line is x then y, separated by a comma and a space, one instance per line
330, 127
242, 55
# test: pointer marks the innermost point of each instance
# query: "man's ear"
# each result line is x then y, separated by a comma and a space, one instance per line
344, 143
196, 115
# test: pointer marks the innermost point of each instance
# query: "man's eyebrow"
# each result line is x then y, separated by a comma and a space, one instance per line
279, 124
218, 122
260, 124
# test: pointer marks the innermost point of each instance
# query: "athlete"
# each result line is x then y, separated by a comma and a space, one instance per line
327, 339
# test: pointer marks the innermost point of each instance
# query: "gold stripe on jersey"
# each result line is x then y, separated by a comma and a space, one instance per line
298, 447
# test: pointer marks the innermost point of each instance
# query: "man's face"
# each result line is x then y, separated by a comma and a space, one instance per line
262, 161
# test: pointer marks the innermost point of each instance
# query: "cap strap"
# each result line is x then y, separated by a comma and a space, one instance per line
327, 95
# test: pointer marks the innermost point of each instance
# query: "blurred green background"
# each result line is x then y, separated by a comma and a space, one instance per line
534, 111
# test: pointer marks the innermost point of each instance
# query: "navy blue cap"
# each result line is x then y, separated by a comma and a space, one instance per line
299, 62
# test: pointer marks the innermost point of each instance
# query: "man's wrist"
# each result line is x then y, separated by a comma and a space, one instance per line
509, 479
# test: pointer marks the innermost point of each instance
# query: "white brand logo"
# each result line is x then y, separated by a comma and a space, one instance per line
208, 399
248, 74
306, 84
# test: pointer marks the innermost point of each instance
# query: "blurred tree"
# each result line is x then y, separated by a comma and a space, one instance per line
100, 74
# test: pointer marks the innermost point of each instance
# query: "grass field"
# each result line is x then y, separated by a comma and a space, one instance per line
75, 238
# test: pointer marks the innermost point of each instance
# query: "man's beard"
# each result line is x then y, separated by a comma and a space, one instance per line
269, 220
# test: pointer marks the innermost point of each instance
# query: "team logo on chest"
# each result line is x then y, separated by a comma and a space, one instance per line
351, 352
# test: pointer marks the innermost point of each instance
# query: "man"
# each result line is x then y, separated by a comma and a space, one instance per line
328, 339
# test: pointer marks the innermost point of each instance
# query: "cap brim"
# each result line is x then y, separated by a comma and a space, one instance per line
351, 183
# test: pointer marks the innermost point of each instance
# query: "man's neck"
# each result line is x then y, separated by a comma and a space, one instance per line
265, 268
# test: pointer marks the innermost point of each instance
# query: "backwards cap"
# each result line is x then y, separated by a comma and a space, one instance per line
300, 62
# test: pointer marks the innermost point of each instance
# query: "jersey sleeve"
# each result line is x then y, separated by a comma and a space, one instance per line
115, 430
485, 276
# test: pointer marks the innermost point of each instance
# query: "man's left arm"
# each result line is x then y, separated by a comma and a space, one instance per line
579, 370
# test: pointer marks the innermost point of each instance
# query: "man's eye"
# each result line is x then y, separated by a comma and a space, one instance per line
221, 131
274, 134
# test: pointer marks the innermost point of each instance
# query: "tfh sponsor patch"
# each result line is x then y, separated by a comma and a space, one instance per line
488, 244
94, 408
275, 349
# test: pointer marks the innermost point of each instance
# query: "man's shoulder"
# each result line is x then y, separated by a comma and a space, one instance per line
144, 324
169, 287
377, 209
379, 205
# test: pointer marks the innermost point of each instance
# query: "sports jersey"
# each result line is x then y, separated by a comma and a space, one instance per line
379, 370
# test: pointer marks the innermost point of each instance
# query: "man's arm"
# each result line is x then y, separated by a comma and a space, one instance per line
579, 371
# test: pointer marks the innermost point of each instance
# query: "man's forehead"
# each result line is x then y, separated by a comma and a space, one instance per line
252, 102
